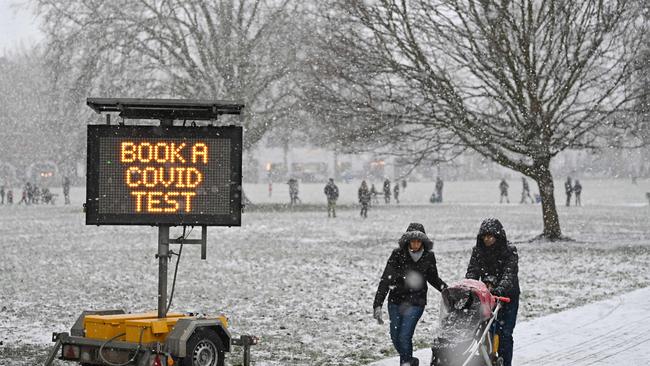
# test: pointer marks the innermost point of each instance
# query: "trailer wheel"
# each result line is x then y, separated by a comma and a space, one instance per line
204, 348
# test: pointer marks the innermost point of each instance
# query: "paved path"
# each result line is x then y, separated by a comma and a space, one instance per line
610, 332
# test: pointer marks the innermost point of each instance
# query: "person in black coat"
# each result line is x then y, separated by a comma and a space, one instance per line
439, 185
404, 280
496, 262
364, 199
503, 188
387, 191
568, 190
577, 190
396, 192
332, 194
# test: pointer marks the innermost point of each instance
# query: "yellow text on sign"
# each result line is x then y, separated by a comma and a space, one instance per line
167, 176
163, 152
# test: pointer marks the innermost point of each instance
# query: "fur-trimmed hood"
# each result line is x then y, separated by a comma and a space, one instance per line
406, 238
492, 226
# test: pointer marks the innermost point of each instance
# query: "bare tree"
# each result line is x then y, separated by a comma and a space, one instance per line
224, 49
26, 131
518, 81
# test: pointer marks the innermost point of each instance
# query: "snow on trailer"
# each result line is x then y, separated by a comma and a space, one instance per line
160, 176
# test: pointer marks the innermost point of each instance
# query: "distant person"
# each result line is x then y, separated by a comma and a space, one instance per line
647, 195
28, 193
10, 196
36, 194
404, 184
332, 194
525, 191
568, 190
66, 190
409, 268
2, 194
293, 191
503, 187
364, 199
396, 193
577, 189
439, 186
374, 194
47, 196
387, 191
24, 195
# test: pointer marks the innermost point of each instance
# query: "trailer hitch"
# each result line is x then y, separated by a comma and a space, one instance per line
56, 337
246, 341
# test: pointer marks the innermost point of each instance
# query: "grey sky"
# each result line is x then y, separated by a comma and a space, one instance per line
18, 27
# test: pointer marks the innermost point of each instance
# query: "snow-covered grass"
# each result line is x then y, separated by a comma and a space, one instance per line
302, 282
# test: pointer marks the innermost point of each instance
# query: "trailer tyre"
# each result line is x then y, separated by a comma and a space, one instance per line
204, 348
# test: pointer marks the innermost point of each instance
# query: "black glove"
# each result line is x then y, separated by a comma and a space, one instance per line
499, 291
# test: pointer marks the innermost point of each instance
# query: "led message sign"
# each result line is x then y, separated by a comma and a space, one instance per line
164, 175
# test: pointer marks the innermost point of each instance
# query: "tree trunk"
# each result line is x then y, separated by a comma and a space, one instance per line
544, 180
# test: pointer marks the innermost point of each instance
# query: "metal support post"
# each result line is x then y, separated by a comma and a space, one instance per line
163, 259
204, 238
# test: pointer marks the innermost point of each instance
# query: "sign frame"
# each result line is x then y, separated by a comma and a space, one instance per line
96, 132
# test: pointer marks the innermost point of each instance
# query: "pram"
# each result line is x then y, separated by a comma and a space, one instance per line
466, 336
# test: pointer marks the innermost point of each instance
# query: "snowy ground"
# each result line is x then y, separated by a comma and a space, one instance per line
304, 283
615, 331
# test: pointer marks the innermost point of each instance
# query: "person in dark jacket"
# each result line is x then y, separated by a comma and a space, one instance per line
293, 191
503, 188
396, 192
66, 190
496, 262
568, 190
577, 189
439, 185
387, 191
364, 199
525, 191
404, 280
332, 194
2, 194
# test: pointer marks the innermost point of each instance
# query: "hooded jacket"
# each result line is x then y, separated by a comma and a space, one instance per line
331, 191
499, 261
404, 280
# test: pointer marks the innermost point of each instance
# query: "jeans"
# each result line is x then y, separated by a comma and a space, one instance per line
403, 319
505, 324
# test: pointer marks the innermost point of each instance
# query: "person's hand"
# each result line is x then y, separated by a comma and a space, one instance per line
376, 313
498, 291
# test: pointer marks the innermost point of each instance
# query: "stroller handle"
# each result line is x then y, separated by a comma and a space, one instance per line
502, 299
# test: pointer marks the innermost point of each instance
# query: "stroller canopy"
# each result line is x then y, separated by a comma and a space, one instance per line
457, 297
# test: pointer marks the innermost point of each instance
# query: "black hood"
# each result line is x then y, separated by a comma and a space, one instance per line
415, 231
494, 227
416, 226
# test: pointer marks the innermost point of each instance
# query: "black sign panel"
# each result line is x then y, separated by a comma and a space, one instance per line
151, 175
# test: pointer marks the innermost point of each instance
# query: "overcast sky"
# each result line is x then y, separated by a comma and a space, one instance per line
18, 27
